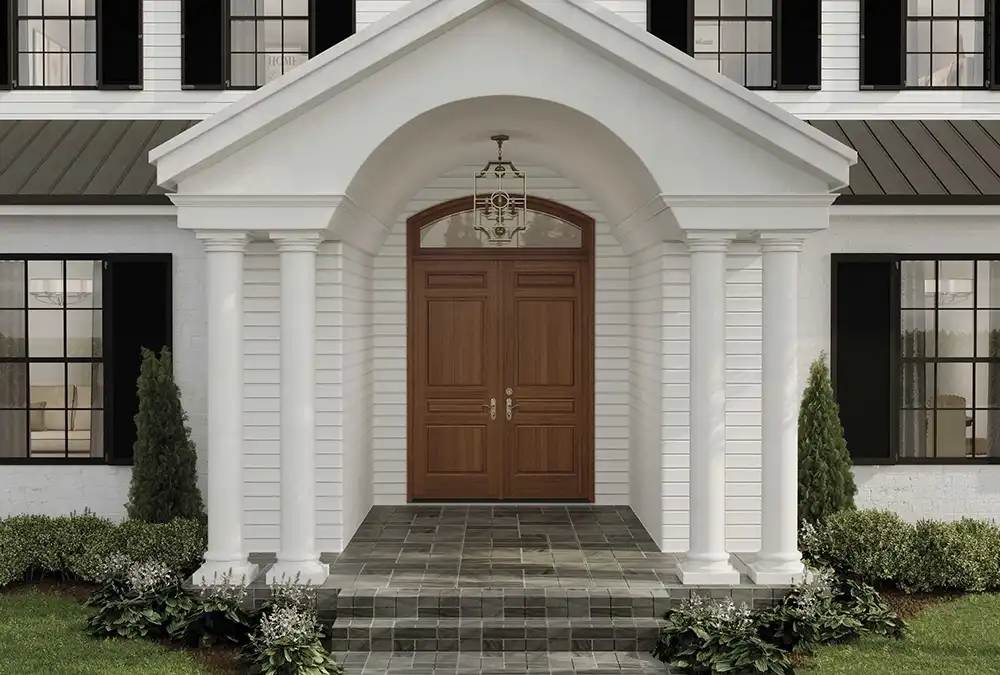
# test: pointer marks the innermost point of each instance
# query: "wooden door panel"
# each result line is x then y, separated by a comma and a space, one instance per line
455, 447
547, 366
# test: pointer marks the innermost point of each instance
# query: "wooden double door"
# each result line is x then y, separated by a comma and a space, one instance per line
501, 379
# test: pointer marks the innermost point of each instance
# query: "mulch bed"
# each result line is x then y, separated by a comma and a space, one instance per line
908, 605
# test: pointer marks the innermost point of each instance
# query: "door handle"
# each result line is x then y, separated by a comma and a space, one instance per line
510, 409
492, 407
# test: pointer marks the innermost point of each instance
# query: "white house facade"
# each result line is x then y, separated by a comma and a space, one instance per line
304, 225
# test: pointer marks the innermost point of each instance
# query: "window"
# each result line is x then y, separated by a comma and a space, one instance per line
927, 331
945, 45
68, 362
734, 37
267, 39
244, 44
761, 44
541, 230
57, 43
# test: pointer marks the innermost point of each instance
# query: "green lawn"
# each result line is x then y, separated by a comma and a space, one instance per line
961, 636
42, 634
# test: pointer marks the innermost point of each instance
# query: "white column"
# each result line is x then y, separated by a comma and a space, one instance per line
779, 560
707, 561
224, 264
297, 556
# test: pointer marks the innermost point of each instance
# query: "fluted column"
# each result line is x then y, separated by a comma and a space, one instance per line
707, 561
298, 556
779, 560
224, 272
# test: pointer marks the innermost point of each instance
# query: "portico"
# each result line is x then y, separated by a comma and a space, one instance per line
303, 179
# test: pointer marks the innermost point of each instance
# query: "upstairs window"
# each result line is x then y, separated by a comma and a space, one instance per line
927, 44
945, 45
760, 44
267, 38
244, 44
70, 44
56, 43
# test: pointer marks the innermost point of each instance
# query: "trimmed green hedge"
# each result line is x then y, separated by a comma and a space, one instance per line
77, 546
881, 549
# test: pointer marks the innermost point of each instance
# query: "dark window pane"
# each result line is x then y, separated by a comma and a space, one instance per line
13, 432
13, 385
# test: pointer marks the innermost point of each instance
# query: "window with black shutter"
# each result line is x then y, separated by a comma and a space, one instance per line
71, 332
119, 34
671, 21
882, 45
203, 29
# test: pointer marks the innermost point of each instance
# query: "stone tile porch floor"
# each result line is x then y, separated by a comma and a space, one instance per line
499, 546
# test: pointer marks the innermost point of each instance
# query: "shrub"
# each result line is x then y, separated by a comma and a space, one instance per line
165, 476
962, 555
826, 482
139, 600
218, 614
870, 545
79, 546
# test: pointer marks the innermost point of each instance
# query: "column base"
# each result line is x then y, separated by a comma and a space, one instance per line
213, 572
307, 572
714, 572
777, 572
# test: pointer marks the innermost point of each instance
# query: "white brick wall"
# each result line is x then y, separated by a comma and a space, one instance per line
55, 490
611, 345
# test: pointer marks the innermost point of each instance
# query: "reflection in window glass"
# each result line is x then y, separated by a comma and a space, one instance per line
950, 359
267, 39
541, 231
734, 37
57, 43
51, 370
945, 43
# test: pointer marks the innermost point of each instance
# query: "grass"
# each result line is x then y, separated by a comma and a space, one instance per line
958, 636
41, 633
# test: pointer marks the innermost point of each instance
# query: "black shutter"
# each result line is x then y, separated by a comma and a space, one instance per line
863, 317
331, 22
6, 43
138, 306
203, 30
672, 21
119, 49
798, 50
883, 57
993, 42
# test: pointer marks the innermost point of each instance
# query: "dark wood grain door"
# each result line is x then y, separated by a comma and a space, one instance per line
547, 362
455, 444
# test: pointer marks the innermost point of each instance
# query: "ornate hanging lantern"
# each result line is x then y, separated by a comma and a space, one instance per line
500, 198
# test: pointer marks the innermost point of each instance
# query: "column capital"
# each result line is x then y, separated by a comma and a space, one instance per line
709, 241
784, 241
223, 241
297, 241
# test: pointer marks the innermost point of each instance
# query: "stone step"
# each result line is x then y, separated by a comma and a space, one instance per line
517, 603
494, 635
512, 663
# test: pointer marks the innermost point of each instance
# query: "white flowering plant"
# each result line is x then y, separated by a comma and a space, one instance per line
138, 599
219, 615
289, 641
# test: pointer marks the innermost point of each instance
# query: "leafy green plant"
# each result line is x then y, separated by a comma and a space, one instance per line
826, 481
288, 641
139, 600
219, 614
703, 637
165, 476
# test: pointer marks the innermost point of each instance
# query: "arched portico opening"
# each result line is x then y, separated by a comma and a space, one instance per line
500, 357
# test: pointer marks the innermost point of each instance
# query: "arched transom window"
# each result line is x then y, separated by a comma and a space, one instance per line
541, 230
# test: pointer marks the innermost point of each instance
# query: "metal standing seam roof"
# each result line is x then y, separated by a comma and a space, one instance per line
106, 161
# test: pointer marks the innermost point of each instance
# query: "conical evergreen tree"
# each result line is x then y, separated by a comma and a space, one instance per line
826, 482
164, 476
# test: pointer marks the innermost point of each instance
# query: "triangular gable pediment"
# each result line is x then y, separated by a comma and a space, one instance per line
584, 21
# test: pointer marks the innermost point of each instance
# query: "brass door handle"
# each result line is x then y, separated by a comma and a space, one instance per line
492, 407
510, 409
